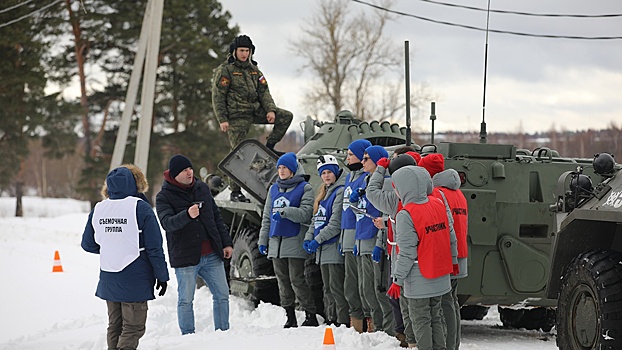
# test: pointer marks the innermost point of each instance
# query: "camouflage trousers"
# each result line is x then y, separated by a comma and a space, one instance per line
239, 127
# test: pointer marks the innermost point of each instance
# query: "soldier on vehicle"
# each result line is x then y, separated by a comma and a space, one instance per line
241, 97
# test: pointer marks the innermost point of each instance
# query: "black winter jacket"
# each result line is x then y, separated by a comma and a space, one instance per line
184, 234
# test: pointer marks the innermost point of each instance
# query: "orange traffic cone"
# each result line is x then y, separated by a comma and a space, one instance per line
329, 340
58, 267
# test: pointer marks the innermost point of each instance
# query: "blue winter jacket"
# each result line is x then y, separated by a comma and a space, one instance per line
135, 283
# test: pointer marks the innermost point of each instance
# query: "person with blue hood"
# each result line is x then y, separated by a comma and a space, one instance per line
323, 235
354, 180
286, 217
428, 250
125, 233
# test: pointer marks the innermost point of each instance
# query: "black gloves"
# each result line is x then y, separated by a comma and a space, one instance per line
162, 286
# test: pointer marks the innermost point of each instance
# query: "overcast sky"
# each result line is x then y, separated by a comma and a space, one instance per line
534, 84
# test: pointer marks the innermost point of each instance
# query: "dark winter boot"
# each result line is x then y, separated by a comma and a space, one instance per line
310, 320
291, 318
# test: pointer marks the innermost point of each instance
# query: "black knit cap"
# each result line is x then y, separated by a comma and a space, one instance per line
242, 41
177, 164
401, 160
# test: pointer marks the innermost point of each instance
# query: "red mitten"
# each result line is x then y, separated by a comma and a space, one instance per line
456, 270
383, 162
394, 291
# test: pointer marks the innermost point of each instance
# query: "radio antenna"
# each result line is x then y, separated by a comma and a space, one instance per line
407, 87
482, 131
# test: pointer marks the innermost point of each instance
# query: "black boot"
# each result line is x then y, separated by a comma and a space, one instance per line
238, 196
310, 320
291, 318
270, 146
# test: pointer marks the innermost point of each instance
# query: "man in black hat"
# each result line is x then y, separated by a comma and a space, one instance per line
241, 97
198, 241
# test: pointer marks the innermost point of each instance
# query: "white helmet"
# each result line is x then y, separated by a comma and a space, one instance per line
326, 159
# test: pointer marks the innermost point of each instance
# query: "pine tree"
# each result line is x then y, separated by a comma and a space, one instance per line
21, 91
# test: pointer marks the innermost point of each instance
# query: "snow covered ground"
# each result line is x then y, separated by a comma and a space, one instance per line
45, 310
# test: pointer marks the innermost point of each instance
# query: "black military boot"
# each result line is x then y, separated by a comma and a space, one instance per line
291, 318
270, 146
238, 196
310, 320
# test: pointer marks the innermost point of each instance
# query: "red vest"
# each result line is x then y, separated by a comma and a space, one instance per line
458, 205
390, 238
432, 226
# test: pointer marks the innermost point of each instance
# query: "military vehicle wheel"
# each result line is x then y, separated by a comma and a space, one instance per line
313, 277
473, 312
534, 319
589, 302
248, 264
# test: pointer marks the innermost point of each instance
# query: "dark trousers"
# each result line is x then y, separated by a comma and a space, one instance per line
126, 324
290, 276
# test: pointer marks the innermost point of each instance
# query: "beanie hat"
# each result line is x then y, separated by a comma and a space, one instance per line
177, 164
289, 161
401, 160
358, 147
376, 152
415, 155
434, 163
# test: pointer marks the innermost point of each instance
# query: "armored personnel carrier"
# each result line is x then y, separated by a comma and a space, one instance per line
253, 166
545, 231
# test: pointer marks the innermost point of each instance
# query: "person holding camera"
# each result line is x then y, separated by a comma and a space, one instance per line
129, 267
198, 241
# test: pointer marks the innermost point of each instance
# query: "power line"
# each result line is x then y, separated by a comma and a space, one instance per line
15, 6
30, 14
609, 15
550, 36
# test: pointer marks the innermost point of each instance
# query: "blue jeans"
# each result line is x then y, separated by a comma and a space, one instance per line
212, 270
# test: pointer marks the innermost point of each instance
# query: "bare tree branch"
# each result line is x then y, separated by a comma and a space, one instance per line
350, 58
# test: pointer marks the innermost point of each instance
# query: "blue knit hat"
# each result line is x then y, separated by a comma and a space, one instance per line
288, 160
376, 152
358, 147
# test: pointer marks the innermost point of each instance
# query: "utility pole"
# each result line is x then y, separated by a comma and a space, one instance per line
147, 54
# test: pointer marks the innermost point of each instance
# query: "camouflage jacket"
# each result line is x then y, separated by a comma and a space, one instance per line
240, 90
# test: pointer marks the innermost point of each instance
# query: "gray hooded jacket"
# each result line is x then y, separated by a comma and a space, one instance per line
413, 184
380, 193
329, 253
450, 179
288, 247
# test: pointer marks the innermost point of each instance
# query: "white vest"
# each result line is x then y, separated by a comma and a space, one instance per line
116, 232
